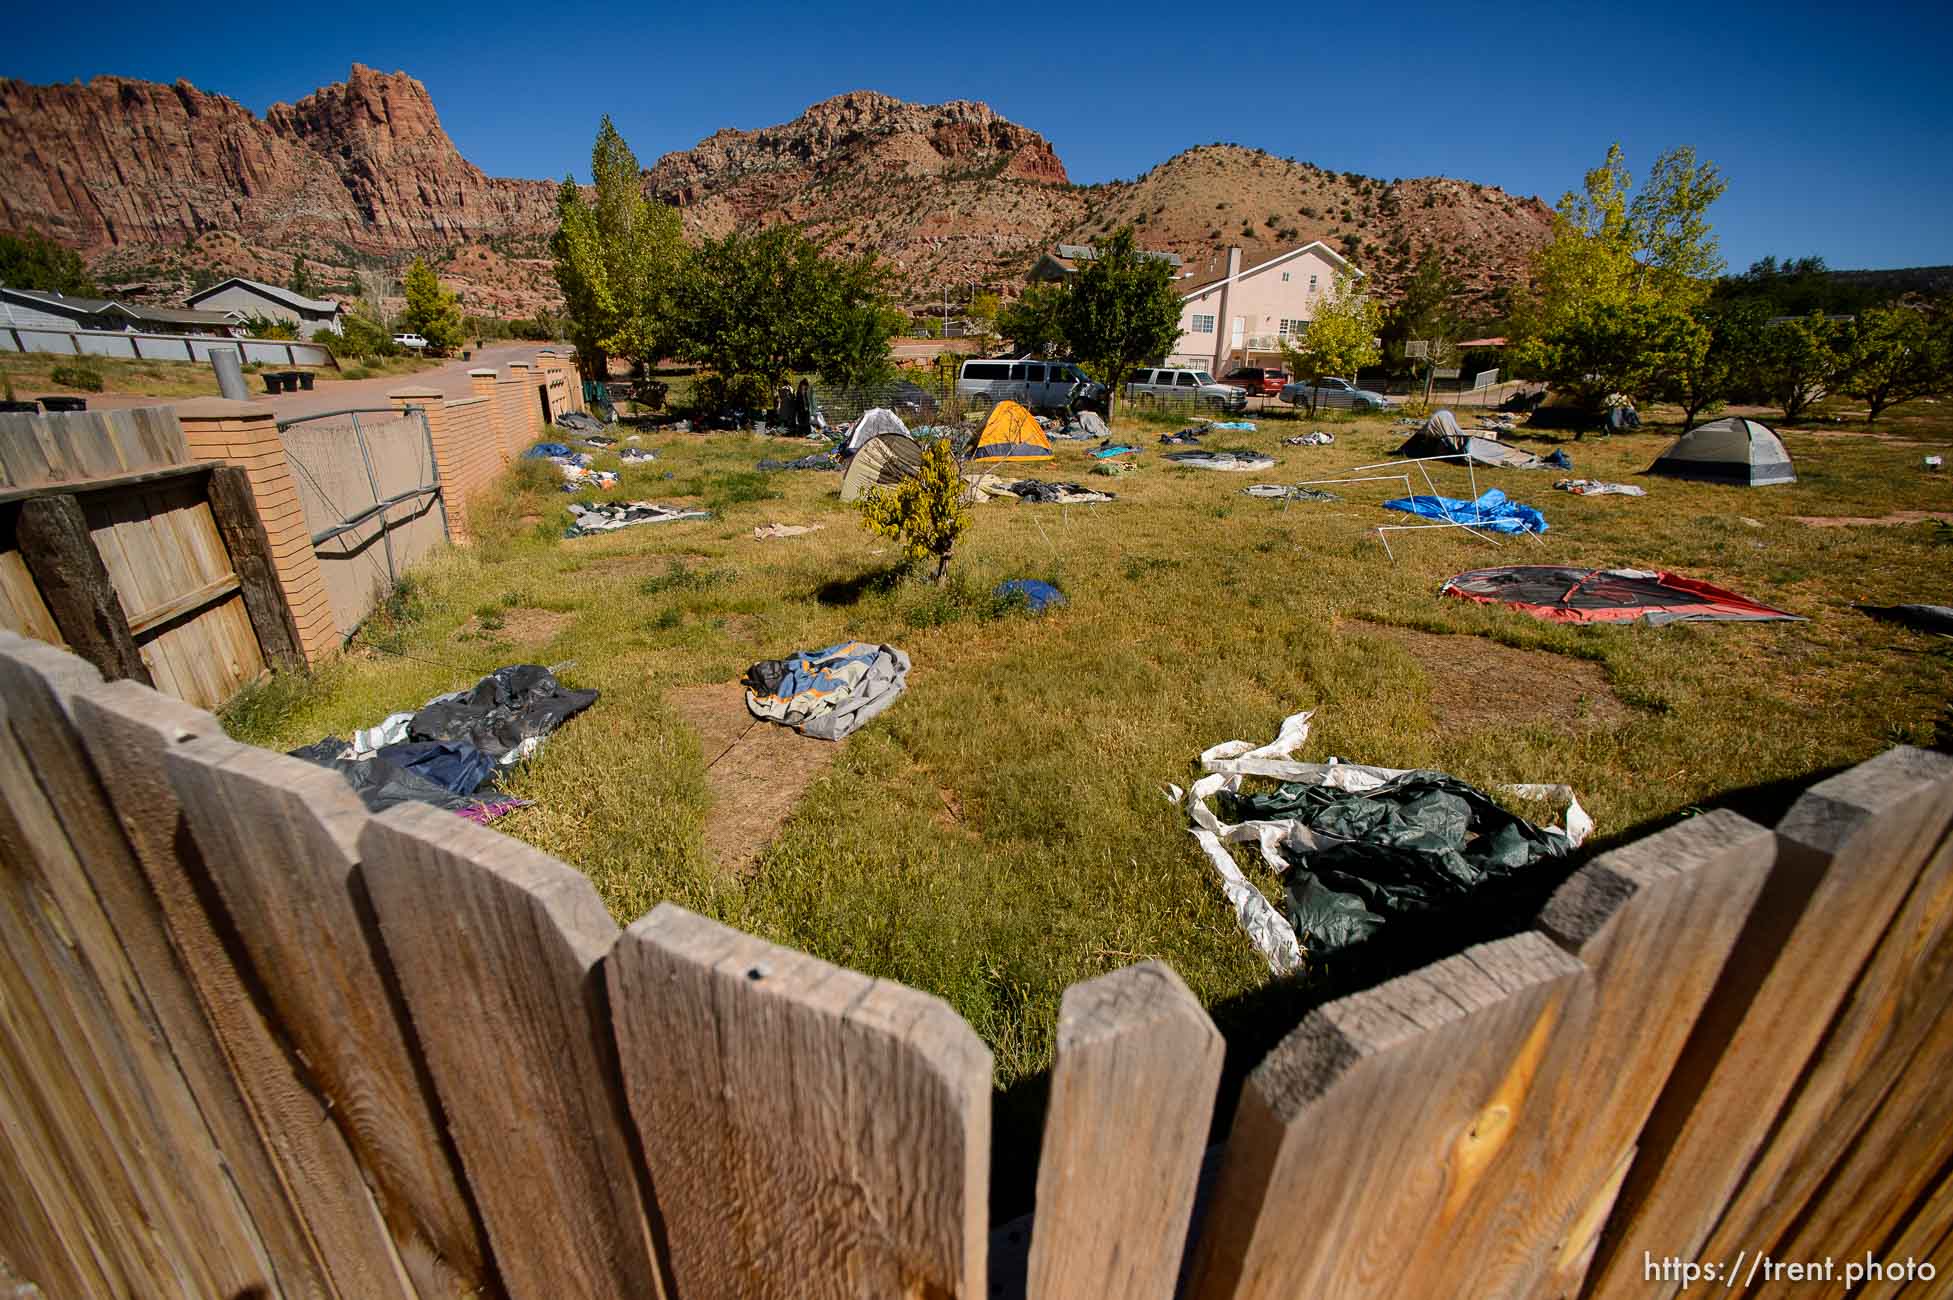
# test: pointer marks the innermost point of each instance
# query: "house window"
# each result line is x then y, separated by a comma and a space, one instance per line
1285, 277
1203, 324
1293, 329
1312, 284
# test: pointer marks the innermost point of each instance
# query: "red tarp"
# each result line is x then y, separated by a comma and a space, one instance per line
1566, 595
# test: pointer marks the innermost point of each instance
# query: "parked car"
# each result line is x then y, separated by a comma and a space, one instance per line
1258, 380
414, 341
1050, 387
1333, 394
1195, 385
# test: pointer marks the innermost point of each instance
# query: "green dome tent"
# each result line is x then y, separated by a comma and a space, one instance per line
1729, 450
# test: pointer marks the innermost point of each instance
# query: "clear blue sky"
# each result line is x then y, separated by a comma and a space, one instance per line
1831, 122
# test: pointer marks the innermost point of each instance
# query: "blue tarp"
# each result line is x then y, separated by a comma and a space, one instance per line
1492, 512
1104, 453
1038, 596
544, 450
1242, 426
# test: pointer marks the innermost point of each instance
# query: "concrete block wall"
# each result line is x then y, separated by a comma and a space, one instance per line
246, 435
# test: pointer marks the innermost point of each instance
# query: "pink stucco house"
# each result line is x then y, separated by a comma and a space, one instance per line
1242, 318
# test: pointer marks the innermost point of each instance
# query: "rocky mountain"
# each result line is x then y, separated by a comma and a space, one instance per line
141, 176
161, 185
949, 194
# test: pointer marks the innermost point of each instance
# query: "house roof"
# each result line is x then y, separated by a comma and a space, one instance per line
297, 301
175, 315
1069, 255
1317, 246
41, 297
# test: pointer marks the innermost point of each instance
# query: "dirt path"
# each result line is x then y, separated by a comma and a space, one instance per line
1477, 683
1855, 521
756, 770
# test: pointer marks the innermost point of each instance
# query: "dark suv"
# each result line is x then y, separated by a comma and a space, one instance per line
1257, 380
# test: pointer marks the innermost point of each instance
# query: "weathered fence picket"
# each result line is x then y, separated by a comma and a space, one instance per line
280, 837
256, 1041
811, 1132
1132, 1091
499, 952
1848, 853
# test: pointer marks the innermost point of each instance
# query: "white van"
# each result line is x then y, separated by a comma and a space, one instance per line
1194, 386
1054, 387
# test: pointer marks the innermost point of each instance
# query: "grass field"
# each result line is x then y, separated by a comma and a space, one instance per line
1001, 833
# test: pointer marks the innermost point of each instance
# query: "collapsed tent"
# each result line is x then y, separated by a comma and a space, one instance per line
818, 460
1441, 436
1092, 424
1568, 595
1276, 491
449, 750
1058, 494
883, 461
827, 693
1729, 450
1920, 618
1492, 511
579, 422
613, 515
872, 424
1011, 433
1119, 449
1228, 461
1358, 846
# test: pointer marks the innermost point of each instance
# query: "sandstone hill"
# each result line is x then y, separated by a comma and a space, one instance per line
160, 185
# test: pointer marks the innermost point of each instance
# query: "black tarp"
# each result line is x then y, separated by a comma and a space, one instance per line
509, 706
1418, 843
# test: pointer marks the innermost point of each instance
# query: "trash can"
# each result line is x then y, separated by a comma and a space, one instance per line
274, 382
304, 377
64, 403
291, 381
21, 408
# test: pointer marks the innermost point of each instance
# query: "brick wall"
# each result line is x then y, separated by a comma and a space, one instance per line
246, 435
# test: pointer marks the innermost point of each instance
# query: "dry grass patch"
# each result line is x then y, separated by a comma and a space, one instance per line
1478, 683
1857, 521
756, 771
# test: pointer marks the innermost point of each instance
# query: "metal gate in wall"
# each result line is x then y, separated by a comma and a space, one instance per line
372, 498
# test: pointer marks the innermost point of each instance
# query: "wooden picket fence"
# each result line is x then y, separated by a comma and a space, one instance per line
257, 1042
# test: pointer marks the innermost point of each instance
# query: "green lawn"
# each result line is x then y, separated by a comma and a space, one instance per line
1001, 832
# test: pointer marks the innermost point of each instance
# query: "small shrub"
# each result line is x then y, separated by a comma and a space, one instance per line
79, 377
355, 372
925, 514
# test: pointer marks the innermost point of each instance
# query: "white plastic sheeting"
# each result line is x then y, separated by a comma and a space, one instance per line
1226, 763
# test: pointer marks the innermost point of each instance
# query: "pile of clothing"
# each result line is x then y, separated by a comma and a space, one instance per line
1186, 437
576, 478
451, 750
636, 455
1493, 512
1230, 461
1357, 846
1056, 494
1110, 468
1316, 439
1588, 487
828, 693
608, 517
580, 422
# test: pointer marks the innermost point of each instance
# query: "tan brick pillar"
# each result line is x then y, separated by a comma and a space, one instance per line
246, 435
530, 411
483, 384
552, 375
452, 461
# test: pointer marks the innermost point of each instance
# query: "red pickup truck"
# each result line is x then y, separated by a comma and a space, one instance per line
1255, 379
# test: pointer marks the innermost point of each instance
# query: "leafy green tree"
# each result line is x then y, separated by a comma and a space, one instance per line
1801, 360
925, 513
432, 312
1427, 309
619, 261
1897, 353
1622, 271
1120, 310
1716, 364
983, 311
758, 306
1036, 320
1341, 338
33, 261
269, 327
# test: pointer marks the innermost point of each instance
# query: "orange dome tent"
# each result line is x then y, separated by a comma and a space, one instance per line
1011, 433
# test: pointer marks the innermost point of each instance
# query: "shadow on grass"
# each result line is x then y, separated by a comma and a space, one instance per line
849, 591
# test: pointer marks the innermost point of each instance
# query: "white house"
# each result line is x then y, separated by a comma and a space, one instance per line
1242, 318
255, 298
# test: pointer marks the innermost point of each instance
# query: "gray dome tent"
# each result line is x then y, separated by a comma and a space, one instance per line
874, 422
1729, 450
883, 461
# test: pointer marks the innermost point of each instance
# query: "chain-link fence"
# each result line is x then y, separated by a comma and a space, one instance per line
372, 500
